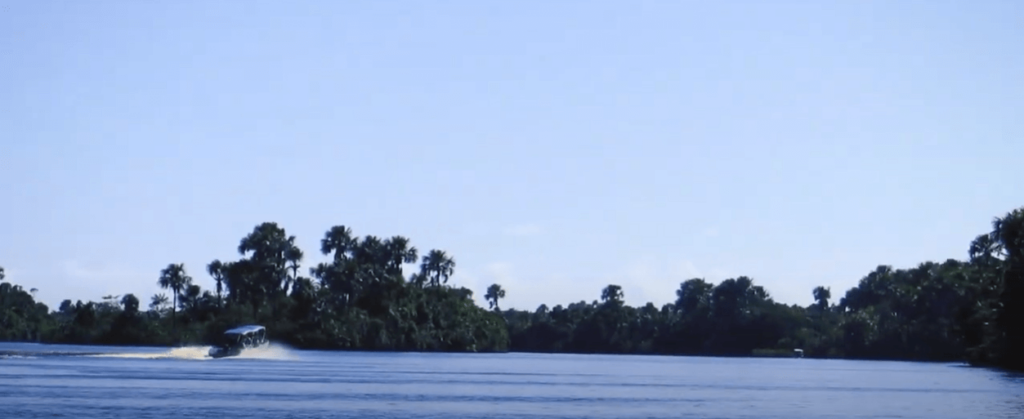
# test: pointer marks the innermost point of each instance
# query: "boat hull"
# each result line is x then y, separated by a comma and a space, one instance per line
240, 339
224, 352
229, 351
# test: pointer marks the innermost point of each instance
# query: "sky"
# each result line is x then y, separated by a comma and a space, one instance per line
551, 147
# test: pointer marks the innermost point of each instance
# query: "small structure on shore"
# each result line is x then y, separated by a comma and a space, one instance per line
798, 353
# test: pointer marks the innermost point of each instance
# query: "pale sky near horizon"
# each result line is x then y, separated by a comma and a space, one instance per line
551, 147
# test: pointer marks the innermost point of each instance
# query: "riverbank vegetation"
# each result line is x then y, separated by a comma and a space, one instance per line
361, 299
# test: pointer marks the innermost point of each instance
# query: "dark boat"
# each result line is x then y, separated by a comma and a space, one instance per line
236, 340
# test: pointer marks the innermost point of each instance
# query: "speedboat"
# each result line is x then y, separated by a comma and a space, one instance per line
241, 338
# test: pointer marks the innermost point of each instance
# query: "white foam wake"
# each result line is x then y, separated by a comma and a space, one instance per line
274, 351
185, 352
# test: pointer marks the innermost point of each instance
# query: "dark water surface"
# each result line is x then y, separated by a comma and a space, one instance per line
117, 382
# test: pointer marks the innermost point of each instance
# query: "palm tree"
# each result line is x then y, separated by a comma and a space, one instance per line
156, 303
984, 248
266, 247
175, 278
437, 266
191, 298
131, 304
1008, 234
612, 293
821, 296
338, 240
339, 243
266, 242
293, 256
216, 270
494, 293
399, 252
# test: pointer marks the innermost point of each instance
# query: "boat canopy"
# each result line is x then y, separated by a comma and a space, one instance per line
241, 330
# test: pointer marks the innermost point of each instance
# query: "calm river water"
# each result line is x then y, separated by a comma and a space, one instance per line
117, 382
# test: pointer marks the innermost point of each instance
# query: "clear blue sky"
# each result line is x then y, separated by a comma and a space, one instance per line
552, 147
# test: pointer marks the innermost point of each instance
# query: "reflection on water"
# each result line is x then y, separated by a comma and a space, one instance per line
105, 382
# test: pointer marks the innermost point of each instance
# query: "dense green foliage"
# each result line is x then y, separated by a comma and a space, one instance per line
954, 310
359, 300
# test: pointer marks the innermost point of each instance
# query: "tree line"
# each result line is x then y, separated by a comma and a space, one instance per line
957, 310
360, 299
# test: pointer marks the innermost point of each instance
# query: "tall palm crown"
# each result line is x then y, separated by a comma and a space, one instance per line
494, 293
339, 242
176, 279
216, 270
612, 293
821, 296
399, 252
437, 267
269, 248
293, 255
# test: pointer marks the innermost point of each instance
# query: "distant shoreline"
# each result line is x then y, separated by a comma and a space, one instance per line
967, 311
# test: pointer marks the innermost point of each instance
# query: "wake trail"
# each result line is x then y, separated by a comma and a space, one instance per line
273, 351
185, 352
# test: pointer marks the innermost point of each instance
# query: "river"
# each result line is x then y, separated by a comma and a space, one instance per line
125, 382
